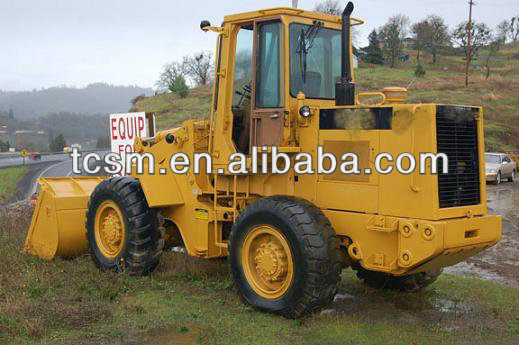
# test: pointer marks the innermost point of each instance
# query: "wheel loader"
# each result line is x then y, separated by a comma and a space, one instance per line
284, 78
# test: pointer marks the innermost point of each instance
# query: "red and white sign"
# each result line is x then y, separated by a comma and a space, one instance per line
125, 127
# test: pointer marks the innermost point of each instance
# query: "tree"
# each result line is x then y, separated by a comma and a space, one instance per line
334, 8
199, 67
103, 142
513, 28
330, 7
419, 71
496, 41
179, 86
373, 53
393, 33
11, 114
170, 73
480, 36
437, 35
502, 30
421, 33
57, 144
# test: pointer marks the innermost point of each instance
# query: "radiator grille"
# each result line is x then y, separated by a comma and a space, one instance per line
456, 135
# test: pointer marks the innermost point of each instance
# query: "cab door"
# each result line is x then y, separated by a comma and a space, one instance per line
267, 95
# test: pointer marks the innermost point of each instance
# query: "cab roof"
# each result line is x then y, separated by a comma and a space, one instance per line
289, 11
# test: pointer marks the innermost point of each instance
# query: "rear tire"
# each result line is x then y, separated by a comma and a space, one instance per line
512, 177
123, 232
408, 283
294, 268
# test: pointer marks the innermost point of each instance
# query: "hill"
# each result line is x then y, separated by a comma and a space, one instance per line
442, 83
94, 99
170, 110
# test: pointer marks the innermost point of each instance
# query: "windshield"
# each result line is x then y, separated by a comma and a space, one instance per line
492, 159
315, 60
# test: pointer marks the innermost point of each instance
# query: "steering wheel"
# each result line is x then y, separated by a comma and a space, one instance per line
244, 93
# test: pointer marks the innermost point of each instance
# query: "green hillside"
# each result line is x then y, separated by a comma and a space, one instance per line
170, 110
442, 83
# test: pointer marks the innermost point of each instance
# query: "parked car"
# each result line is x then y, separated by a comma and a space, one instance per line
35, 156
499, 166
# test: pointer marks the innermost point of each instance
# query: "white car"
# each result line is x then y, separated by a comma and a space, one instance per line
498, 166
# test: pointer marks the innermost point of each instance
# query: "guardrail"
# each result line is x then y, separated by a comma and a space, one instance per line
18, 154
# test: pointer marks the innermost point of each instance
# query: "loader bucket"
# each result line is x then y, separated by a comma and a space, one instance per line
58, 222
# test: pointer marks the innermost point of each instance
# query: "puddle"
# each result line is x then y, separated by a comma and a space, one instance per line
432, 303
501, 262
428, 308
342, 296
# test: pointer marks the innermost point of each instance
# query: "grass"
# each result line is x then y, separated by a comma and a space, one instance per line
442, 83
188, 301
8, 179
170, 110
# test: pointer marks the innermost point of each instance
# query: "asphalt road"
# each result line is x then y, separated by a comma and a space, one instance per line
61, 168
16, 161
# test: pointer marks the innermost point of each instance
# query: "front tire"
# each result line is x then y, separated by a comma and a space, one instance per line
498, 178
408, 283
123, 232
285, 256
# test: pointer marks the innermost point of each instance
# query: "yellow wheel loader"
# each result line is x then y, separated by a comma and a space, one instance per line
284, 80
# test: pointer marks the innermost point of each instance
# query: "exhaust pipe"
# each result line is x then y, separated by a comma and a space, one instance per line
345, 89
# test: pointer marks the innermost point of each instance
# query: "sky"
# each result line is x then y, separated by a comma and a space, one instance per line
46, 43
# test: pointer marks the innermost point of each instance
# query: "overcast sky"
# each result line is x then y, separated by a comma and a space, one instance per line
47, 43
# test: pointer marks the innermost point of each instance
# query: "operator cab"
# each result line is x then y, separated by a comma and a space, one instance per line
273, 56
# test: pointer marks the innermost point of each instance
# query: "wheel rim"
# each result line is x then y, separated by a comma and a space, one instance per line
110, 229
267, 261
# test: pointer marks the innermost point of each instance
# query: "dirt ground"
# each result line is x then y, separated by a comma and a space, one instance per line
501, 262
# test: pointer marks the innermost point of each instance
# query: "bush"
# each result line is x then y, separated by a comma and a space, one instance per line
419, 71
179, 86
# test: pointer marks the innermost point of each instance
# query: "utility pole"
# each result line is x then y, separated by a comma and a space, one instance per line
469, 44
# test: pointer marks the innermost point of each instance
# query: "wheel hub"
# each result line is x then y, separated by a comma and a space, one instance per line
271, 261
267, 261
112, 229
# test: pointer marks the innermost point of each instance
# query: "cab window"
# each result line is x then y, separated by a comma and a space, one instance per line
268, 88
243, 66
315, 60
242, 87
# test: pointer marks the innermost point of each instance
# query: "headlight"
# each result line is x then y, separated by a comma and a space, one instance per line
304, 111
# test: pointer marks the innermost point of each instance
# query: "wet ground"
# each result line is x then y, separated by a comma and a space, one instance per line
501, 262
